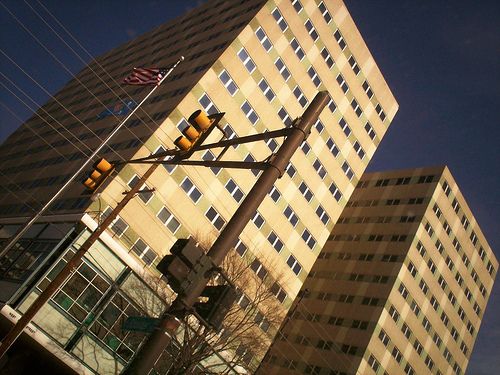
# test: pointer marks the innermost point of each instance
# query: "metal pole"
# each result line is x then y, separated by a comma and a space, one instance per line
71, 266
31, 221
152, 349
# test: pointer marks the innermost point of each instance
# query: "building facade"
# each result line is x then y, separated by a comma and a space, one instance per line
260, 62
400, 286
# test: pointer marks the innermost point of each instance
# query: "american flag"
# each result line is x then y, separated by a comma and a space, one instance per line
145, 76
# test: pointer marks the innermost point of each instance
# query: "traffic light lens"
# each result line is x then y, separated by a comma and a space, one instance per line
200, 120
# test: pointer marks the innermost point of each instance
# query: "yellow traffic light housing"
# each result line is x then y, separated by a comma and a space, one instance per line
102, 169
200, 127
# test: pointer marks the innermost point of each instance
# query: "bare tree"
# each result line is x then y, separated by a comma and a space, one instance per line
243, 340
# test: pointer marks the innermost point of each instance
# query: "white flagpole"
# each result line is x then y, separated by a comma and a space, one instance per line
29, 223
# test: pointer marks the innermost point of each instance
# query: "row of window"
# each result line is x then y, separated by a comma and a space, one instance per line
451, 267
473, 237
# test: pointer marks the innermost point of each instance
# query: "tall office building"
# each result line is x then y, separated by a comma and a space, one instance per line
260, 62
400, 286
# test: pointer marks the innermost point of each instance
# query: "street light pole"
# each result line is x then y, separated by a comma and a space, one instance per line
151, 351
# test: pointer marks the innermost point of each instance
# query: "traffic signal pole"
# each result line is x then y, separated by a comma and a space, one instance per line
70, 267
153, 348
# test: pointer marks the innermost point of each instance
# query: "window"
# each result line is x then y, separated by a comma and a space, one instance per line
191, 190
263, 39
426, 324
249, 112
437, 340
434, 303
306, 192
406, 330
340, 40
323, 216
259, 269
355, 106
473, 239
342, 83
332, 147
359, 150
275, 194
280, 65
444, 318
143, 251
168, 219
294, 264
446, 188
314, 76
368, 90
266, 90
228, 82
285, 117
414, 307
384, 338
272, 144
291, 216
421, 249
258, 220
465, 222
297, 49
369, 130
429, 229
412, 269
278, 291
279, 19
328, 58
275, 241
409, 370
452, 298
246, 60
397, 355
290, 170
240, 248
308, 239
305, 147
326, 15
418, 347
319, 168
297, 5
347, 170
300, 96
403, 291
394, 314
429, 362
209, 156
311, 30
380, 112
319, 126
354, 65
335, 192
208, 105
345, 127
144, 196
168, 168
423, 286
215, 218
234, 190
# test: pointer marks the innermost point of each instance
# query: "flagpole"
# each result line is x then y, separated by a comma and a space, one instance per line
30, 222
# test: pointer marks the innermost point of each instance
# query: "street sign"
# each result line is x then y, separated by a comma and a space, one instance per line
140, 324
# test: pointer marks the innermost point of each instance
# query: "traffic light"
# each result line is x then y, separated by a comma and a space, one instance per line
186, 266
200, 127
102, 169
214, 310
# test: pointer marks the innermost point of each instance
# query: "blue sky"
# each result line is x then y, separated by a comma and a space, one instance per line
440, 58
